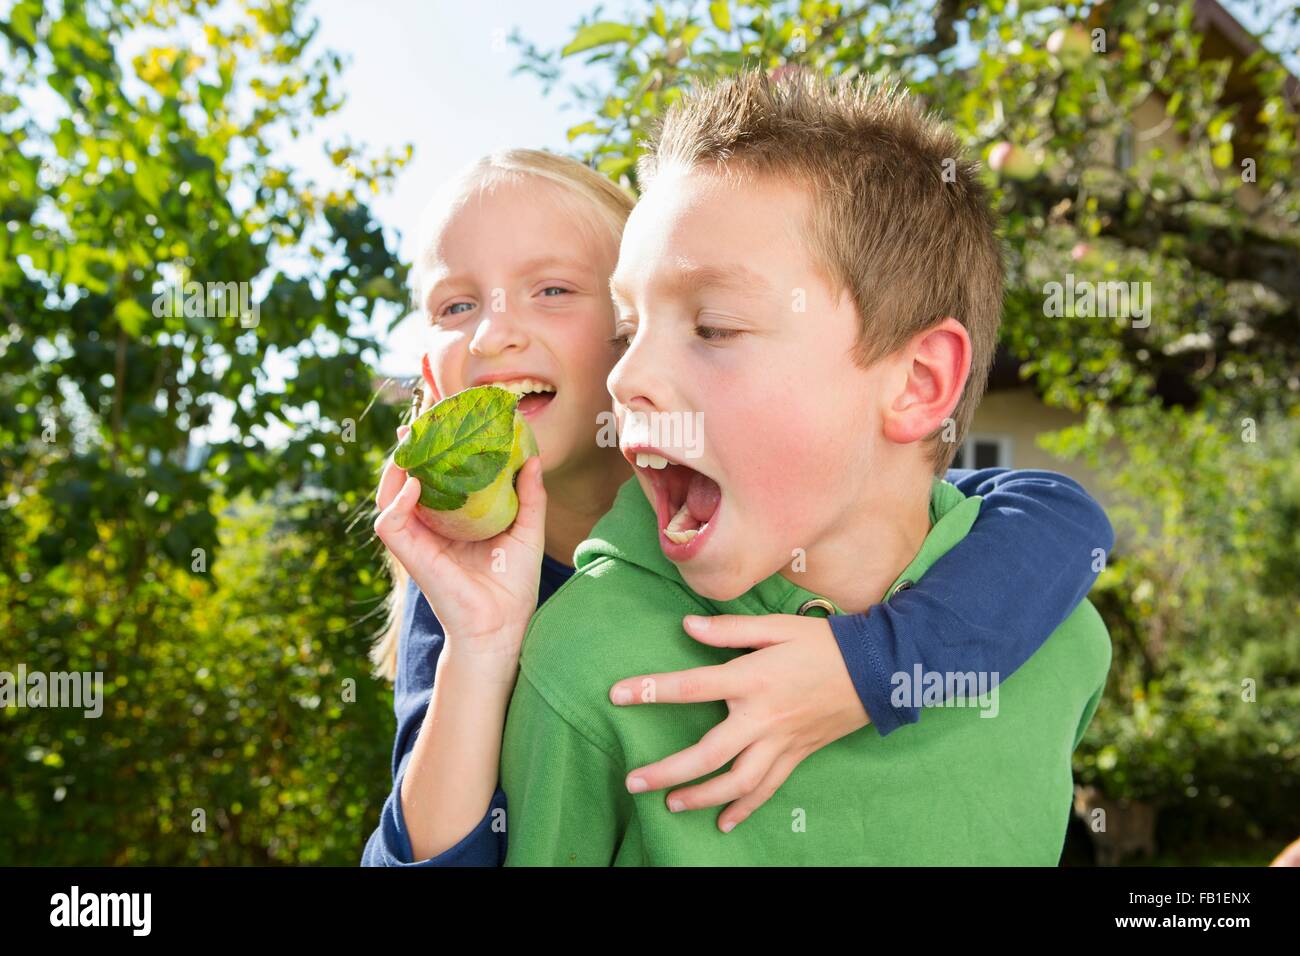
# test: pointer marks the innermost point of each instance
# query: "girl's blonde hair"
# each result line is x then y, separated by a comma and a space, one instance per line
592, 197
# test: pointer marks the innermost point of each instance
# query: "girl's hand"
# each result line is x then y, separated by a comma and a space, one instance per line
788, 699
484, 592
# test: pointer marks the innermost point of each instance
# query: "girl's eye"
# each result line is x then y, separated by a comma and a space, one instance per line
455, 308
712, 334
554, 288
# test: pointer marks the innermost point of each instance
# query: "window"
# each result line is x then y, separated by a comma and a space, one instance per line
984, 451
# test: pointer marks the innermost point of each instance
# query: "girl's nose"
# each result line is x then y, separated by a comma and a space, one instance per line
497, 332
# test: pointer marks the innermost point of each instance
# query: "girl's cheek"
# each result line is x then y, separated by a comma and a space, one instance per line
586, 358
447, 353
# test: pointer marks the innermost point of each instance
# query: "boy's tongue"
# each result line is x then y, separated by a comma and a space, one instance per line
702, 497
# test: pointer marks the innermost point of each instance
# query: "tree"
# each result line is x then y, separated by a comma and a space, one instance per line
165, 279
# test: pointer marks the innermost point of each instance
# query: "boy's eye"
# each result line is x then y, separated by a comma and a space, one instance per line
455, 308
554, 289
713, 334
622, 337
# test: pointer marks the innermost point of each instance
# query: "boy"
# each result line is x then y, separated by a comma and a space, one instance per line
812, 276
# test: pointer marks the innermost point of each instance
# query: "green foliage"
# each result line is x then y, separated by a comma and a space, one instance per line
140, 145
1205, 685
240, 724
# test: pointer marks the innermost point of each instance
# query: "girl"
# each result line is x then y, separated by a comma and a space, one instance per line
513, 272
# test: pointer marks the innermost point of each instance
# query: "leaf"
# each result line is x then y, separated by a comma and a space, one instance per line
720, 12
658, 22
600, 34
459, 446
131, 315
583, 129
614, 166
20, 21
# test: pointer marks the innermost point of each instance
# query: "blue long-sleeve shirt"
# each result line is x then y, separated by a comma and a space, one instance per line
987, 605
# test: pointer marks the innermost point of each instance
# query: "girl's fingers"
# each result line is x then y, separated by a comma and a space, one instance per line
530, 522
390, 483
408, 497
747, 773
739, 811
393, 520
732, 630
714, 749
416, 548
693, 686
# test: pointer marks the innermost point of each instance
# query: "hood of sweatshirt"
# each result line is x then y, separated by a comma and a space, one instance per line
629, 532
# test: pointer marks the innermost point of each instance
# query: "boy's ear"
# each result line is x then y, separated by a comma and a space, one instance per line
430, 386
935, 366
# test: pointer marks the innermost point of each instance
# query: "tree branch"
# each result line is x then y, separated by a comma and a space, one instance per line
1230, 253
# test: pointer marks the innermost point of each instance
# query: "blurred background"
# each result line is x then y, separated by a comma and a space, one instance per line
185, 480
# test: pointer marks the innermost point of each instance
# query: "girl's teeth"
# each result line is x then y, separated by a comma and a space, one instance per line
651, 461
526, 386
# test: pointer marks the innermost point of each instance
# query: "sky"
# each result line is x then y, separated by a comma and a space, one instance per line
438, 75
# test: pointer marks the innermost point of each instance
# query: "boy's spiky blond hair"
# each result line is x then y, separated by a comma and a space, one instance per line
899, 217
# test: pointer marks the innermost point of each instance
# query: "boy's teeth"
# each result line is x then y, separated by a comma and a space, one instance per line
675, 532
651, 461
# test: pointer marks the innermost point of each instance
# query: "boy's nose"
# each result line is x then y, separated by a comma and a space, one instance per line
632, 381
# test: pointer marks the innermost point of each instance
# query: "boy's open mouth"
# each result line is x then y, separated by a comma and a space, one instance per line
686, 501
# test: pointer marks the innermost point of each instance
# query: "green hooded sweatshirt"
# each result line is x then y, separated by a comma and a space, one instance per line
957, 788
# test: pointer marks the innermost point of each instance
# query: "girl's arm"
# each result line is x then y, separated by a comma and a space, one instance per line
484, 594
987, 605
419, 650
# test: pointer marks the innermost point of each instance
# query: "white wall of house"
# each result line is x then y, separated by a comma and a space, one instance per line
1013, 418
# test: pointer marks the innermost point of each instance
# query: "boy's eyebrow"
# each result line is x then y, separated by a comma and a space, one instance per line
691, 277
